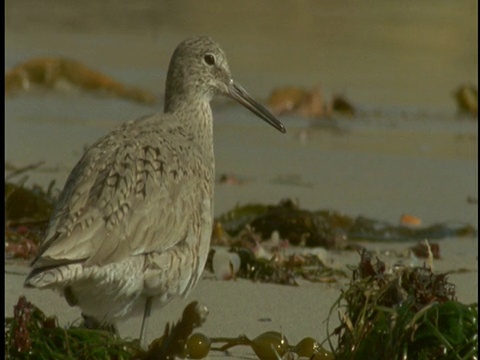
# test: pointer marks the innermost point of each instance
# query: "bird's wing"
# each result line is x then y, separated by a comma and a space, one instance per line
131, 193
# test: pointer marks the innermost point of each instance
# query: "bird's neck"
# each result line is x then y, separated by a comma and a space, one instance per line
195, 117
181, 100
181, 93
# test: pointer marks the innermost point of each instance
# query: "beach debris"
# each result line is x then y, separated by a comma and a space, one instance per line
175, 341
313, 105
472, 200
30, 331
247, 258
198, 346
230, 179
307, 103
423, 250
27, 204
256, 236
286, 100
285, 270
19, 247
326, 228
342, 105
410, 220
409, 313
14, 170
398, 313
466, 97
270, 345
299, 101
225, 264
50, 72
30, 334
273, 345
27, 212
307, 347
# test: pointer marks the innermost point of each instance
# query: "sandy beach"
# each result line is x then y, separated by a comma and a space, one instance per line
405, 152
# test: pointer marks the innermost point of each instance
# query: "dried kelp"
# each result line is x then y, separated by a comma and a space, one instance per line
324, 228
307, 103
47, 72
406, 314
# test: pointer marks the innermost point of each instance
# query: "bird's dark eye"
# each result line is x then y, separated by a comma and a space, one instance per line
209, 59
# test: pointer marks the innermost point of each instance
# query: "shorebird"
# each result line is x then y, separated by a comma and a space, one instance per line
134, 220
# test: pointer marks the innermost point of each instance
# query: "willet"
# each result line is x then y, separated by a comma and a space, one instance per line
134, 219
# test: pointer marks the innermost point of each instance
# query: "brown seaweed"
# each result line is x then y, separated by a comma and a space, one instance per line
48, 72
410, 313
27, 204
327, 228
27, 212
341, 104
31, 334
174, 341
280, 269
466, 97
307, 103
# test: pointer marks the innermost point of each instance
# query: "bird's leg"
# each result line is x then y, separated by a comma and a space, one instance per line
114, 328
146, 315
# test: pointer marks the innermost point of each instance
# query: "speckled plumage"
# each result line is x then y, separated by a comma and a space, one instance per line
134, 219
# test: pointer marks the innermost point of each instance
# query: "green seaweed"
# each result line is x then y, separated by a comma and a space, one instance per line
32, 335
410, 314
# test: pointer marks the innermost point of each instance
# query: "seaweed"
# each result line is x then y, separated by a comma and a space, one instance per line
27, 212
410, 314
401, 313
280, 269
272, 345
27, 204
406, 313
326, 228
47, 72
466, 97
32, 335
308, 103
176, 340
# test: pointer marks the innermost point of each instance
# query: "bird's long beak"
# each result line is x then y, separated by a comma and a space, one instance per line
239, 94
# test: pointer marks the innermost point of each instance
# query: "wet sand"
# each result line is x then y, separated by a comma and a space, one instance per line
406, 151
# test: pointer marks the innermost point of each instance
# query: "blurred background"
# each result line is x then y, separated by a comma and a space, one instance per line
397, 62
406, 53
